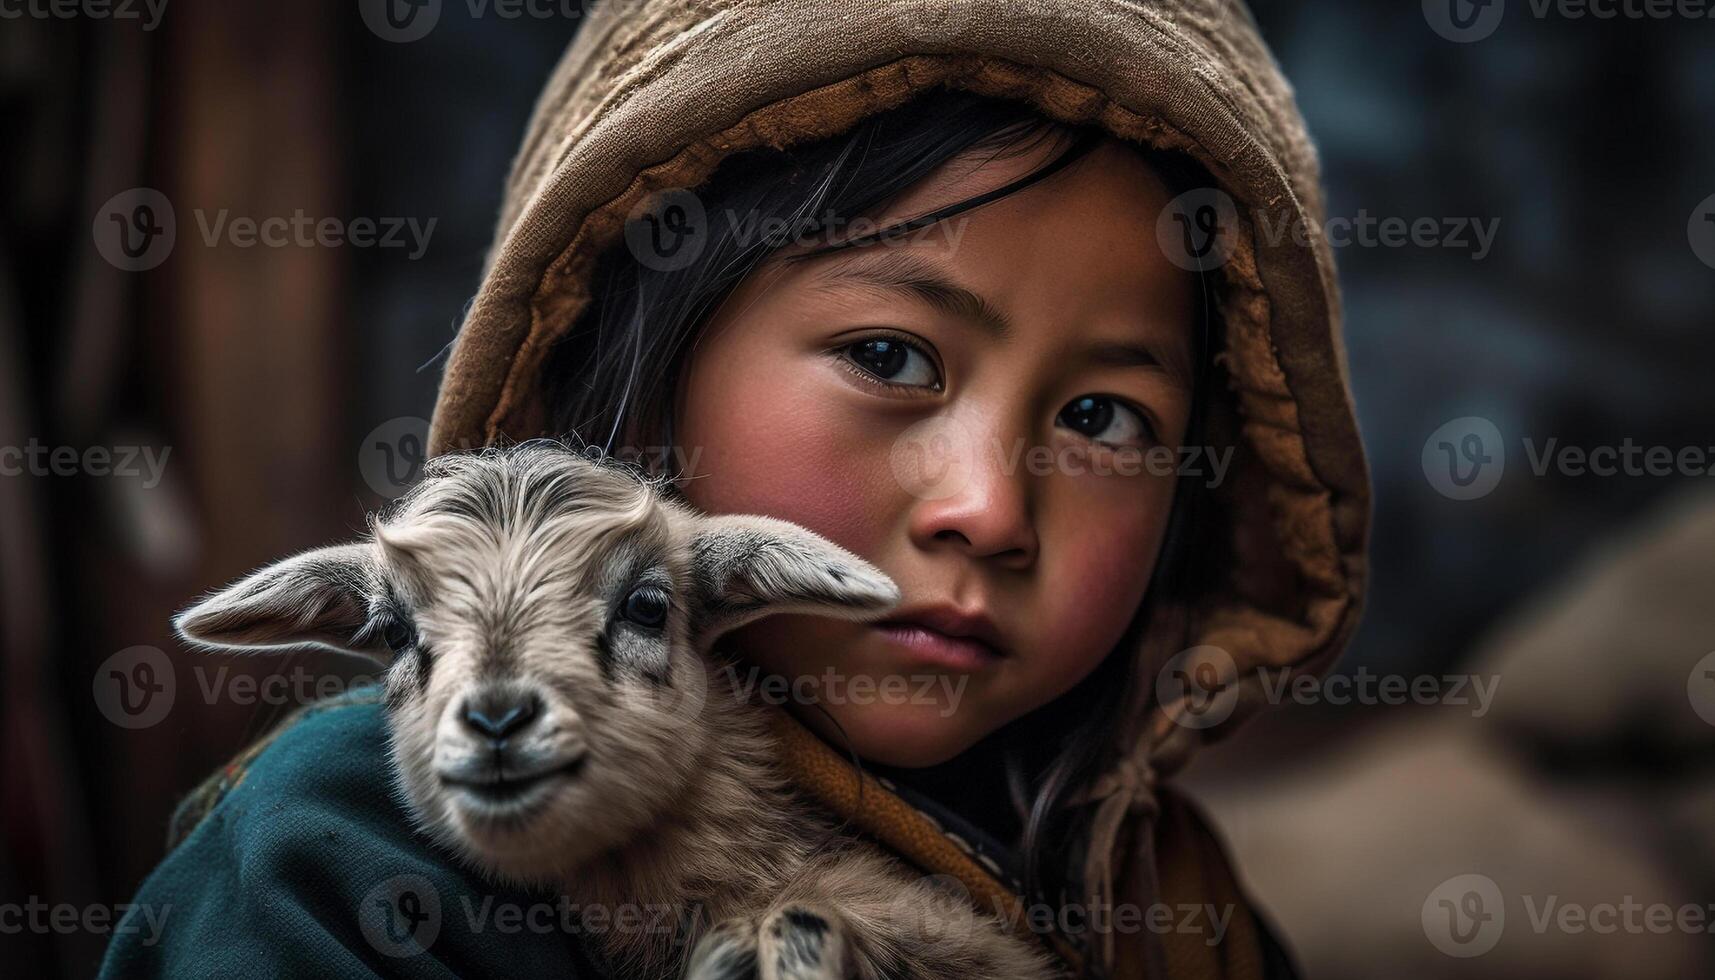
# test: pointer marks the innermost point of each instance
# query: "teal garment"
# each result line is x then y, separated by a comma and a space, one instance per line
298, 860
304, 863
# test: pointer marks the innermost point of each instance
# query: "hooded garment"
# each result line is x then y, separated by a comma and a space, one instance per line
653, 95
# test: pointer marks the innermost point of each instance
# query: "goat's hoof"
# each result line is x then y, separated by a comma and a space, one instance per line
726, 952
801, 943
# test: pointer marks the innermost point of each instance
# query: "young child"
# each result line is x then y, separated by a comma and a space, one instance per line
978, 291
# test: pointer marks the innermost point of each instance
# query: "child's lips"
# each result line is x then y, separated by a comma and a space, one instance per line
931, 647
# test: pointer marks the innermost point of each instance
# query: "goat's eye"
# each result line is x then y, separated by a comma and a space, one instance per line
646, 606
399, 635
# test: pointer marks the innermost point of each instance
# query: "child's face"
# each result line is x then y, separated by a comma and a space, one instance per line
1046, 516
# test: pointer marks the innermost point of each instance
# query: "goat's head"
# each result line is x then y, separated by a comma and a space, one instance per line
545, 619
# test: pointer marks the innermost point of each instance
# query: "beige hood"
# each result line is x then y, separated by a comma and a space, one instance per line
653, 95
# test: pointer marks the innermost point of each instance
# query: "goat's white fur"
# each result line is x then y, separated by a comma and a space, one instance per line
508, 567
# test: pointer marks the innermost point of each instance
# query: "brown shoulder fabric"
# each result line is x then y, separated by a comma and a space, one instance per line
1193, 871
858, 798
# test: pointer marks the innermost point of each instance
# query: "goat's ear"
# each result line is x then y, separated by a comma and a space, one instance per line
316, 599
748, 567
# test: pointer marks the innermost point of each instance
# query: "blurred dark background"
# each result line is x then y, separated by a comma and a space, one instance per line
265, 374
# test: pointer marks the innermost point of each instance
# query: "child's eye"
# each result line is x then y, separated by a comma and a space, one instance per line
893, 361
1104, 419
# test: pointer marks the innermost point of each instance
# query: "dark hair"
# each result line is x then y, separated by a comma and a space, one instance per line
611, 380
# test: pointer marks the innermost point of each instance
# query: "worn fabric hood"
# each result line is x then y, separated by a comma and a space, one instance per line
653, 95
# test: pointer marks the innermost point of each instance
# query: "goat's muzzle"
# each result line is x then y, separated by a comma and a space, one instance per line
505, 748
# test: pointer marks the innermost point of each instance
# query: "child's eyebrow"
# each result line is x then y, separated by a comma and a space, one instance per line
902, 273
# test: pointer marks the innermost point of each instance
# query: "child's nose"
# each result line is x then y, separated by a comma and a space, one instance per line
983, 506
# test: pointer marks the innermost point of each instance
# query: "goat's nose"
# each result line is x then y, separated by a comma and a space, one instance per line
497, 713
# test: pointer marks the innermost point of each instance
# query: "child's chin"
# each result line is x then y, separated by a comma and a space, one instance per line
909, 736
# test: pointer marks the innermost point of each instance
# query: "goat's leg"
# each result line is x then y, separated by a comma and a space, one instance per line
923, 932
856, 915
892, 926
789, 942
800, 942
726, 952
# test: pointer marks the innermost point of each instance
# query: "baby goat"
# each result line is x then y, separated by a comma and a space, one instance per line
555, 716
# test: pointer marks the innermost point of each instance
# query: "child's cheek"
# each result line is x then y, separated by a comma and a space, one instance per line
1098, 581
781, 451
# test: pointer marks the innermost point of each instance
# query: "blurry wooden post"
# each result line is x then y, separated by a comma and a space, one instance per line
244, 353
